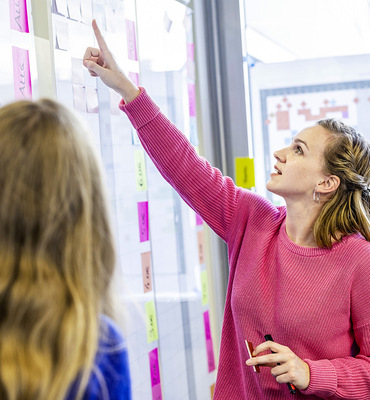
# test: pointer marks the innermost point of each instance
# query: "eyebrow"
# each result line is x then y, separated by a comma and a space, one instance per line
301, 141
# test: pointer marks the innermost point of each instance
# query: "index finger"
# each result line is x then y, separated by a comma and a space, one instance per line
273, 346
99, 36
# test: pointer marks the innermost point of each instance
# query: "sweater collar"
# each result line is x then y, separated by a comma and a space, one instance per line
307, 251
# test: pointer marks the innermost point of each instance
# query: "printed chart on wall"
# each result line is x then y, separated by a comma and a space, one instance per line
18, 74
288, 110
161, 283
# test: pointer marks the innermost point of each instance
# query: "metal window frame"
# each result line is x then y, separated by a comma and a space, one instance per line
222, 115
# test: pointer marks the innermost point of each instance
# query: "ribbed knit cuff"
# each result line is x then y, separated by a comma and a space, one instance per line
323, 379
134, 109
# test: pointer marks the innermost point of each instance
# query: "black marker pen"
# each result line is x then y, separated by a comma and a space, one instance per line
291, 387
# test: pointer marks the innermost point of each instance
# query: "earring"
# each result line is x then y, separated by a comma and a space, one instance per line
316, 197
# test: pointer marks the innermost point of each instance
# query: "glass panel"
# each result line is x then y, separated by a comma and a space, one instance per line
304, 61
167, 71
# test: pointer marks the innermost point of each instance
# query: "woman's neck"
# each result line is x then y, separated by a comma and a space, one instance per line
299, 224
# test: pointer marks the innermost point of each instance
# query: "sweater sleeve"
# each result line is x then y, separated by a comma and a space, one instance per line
349, 377
204, 188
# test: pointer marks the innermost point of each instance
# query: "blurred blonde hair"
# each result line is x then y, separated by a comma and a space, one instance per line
347, 156
56, 251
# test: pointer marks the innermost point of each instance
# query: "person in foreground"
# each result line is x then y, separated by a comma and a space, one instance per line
56, 262
300, 273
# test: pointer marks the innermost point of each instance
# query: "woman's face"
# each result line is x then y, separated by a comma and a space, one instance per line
300, 166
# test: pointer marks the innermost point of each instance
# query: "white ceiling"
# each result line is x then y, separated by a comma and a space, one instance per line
282, 30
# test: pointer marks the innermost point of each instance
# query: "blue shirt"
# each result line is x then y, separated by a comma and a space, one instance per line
110, 377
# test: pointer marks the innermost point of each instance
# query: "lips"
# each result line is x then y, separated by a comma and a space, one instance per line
277, 169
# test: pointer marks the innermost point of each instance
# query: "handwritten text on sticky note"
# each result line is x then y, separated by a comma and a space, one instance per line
18, 15
244, 172
21, 74
151, 321
140, 171
155, 375
200, 235
146, 271
209, 344
143, 212
204, 282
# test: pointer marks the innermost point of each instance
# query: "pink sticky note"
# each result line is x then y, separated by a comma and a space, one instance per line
134, 77
190, 65
21, 74
210, 356
192, 101
190, 51
209, 344
155, 375
143, 220
131, 40
207, 327
200, 236
147, 271
18, 15
199, 220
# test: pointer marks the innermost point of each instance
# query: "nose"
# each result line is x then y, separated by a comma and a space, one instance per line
280, 155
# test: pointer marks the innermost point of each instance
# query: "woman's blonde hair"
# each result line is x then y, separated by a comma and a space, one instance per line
347, 156
56, 251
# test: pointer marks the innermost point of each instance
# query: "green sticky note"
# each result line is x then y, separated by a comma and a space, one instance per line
244, 172
151, 322
140, 172
204, 283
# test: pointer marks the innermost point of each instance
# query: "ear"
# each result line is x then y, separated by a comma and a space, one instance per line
328, 185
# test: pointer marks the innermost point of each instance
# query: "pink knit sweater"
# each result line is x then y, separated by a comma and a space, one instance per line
313, 300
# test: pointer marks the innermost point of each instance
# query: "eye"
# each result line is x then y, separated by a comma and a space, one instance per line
298, 150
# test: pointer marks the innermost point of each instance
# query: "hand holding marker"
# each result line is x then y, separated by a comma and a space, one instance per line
290, 386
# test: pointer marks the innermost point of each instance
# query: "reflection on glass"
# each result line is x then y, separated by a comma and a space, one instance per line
303, 61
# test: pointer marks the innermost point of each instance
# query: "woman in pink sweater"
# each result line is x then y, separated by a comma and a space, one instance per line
300, 273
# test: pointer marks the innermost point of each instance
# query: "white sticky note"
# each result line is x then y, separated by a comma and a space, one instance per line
92, 103
61, 35
61, 6
74, 9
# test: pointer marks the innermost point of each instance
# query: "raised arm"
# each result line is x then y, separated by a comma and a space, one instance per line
203, 187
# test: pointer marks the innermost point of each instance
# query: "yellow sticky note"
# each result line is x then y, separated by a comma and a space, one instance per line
140, 172
151, 322
244, 172
204, 283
